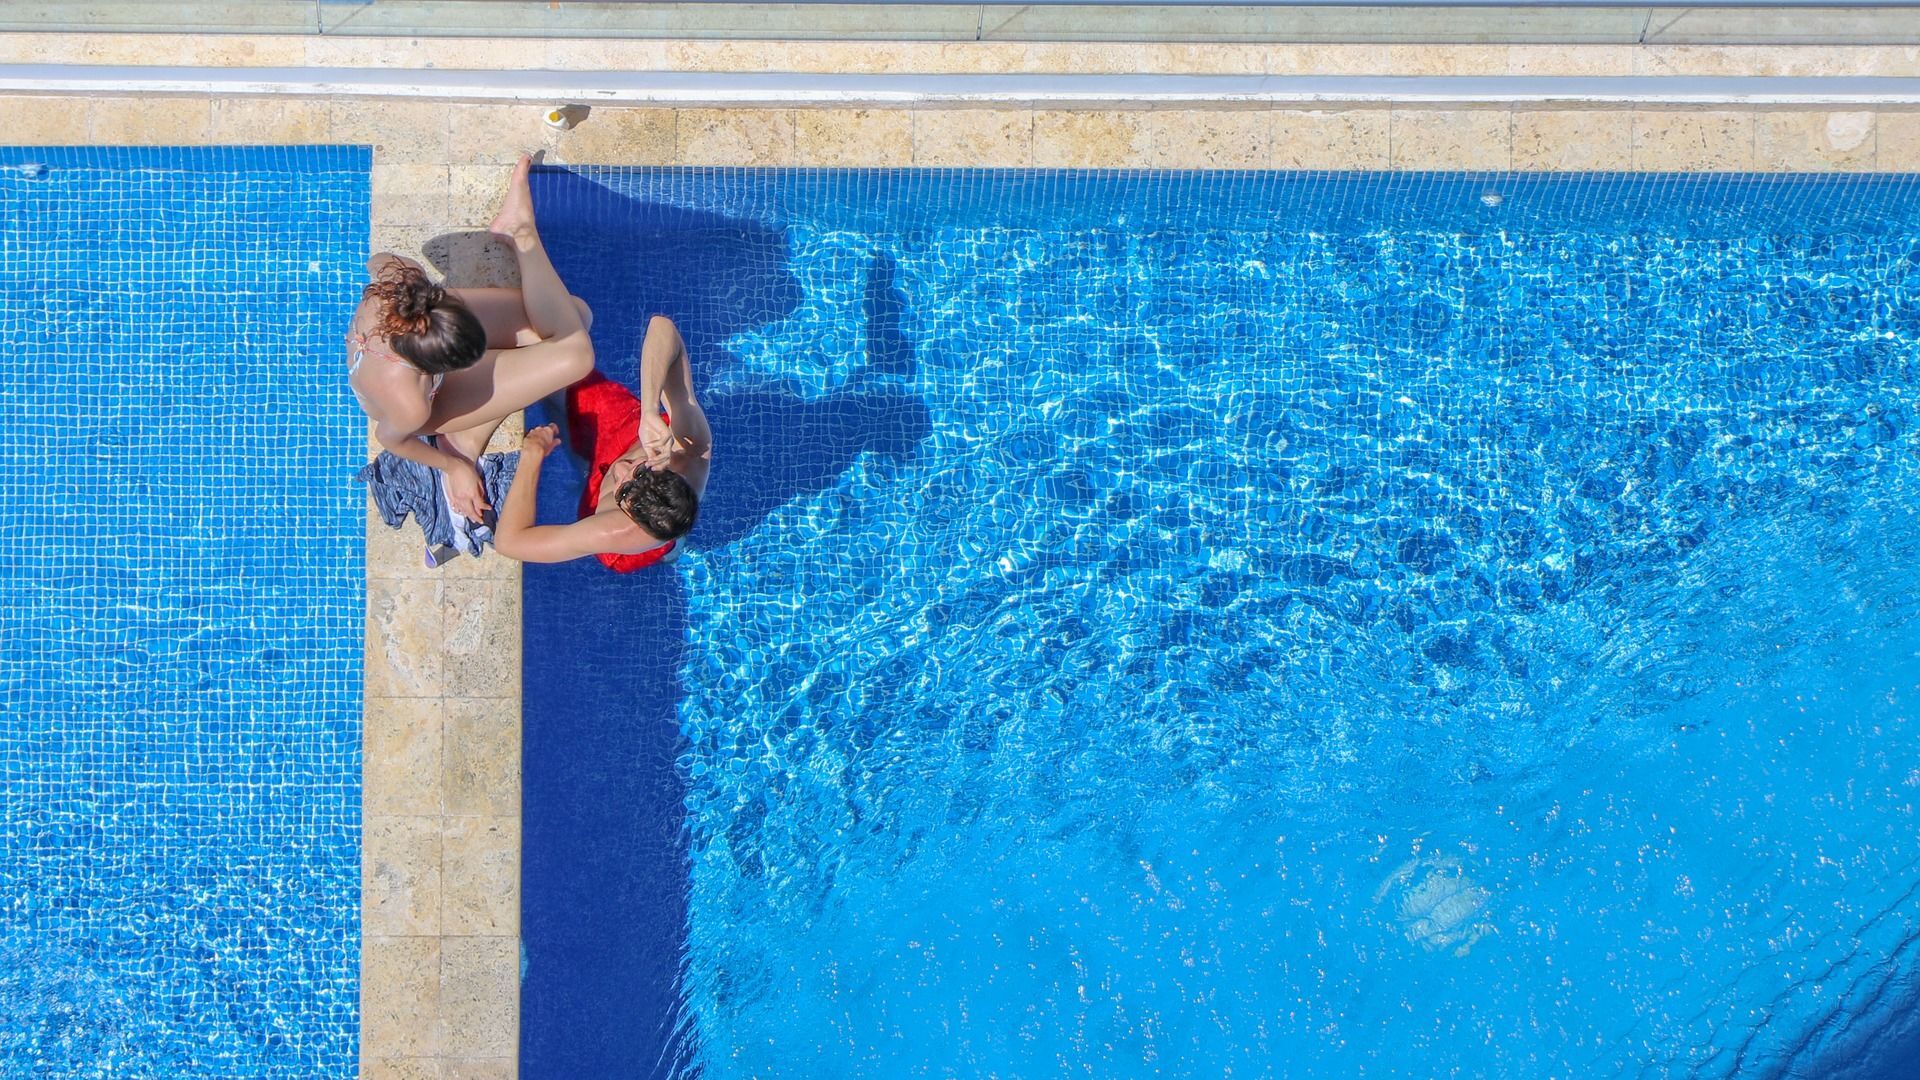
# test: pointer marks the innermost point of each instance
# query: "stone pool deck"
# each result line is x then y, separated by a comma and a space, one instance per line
441, 848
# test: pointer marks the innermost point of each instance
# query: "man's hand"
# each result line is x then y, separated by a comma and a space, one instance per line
540, 440
465, 493
656, 440
659, 442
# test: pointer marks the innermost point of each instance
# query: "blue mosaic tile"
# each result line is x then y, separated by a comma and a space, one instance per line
1255, 623
181, 612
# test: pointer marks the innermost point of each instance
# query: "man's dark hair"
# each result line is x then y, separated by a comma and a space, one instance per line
659, 501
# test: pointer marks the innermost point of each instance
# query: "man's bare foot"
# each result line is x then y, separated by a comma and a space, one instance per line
514, 222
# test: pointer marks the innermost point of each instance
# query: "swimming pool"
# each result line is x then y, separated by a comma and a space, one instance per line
181, 615
1277, 624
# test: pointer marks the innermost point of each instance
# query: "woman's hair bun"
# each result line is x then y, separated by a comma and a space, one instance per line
407, 299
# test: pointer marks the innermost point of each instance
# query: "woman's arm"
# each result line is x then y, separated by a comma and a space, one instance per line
514, 534
399, 433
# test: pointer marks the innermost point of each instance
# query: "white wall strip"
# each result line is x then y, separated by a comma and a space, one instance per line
1053, 91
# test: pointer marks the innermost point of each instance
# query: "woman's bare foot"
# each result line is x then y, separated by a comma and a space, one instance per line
514, 222
468, 444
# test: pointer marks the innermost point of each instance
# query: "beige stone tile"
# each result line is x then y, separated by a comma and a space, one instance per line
1692, 140
1813, 141
395, 553
853, 138
1572, 140
496, 134
480, 875
466, 256
989, 138
481, 54
271, 121
1451, 139
858, 57
48, 121
976, 58
408, 192
749, 56
1446, 59
841, 57
44, 48
402, 1069
412, 131
343, 51
1686, 60
1186, 58
507, 437
1329, 59
1740, 60
400, 875
473, 194
1571, 60
1070, 139
620, 136
480, 994
606, 54
141, 49
482, 1069
403, 757
1897, 135
244, 50
1111, 58
1330, 139
734, 137
481, 639
156, 121
400, 988
482, 775
1212, 139
404, 638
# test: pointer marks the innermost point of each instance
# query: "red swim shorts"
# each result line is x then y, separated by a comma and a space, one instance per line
603, 419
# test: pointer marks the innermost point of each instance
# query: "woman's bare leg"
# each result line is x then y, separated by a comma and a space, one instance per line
509, 379
547, 302
504, 315
505, 319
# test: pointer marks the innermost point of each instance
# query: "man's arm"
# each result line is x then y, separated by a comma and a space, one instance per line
515, 535
666, 374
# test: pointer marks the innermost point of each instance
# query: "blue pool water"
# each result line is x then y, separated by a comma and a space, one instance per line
1257, 624
181, 613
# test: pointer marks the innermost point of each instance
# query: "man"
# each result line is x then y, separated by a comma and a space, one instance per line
648, 460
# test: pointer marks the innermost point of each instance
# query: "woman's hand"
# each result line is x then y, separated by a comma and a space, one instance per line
540, 440
465, 493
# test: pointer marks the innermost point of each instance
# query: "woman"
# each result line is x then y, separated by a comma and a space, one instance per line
648, 460
437, 369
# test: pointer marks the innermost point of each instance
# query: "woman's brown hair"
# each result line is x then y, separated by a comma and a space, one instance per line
425, 324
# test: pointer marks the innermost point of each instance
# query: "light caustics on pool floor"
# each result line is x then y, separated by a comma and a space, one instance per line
180, 655
1285, 624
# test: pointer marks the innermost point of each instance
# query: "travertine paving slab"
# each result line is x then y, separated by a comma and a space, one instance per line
973, 137
1685, 140
1451, 138
1813, 142
1084, 139
1572, 140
